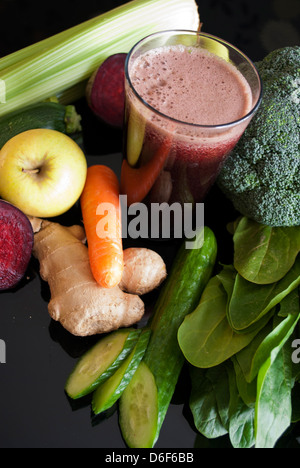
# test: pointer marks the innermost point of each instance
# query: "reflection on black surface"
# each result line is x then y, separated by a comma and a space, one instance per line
291, 438
74, 346
97, 419
80, 403
202, 442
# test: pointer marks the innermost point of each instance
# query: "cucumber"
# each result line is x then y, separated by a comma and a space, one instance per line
51, 115
111, 390
180, 295
138, 409
100, 362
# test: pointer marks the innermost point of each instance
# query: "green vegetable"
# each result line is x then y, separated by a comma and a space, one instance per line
209, 400
111, 390
241, 415
273, 409
264, 254
100, 362
205, 336
246, 390
181, 293
65, 61
251, 302
262, 175
139, 409
239, 341
274, 335
253, 413
50, 115
218, 409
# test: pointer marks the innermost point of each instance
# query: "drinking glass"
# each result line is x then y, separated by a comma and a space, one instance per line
169, 160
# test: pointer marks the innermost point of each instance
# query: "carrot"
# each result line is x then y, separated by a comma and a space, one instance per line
136, 183
101, 214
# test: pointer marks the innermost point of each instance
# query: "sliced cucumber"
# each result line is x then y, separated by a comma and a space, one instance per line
111, 390
139, 409
100, 362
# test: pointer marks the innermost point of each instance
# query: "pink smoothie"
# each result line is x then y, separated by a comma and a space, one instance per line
191, 85
196, 90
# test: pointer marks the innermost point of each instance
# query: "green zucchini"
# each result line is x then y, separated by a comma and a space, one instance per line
51, 115
111, 390
180, 295
100, 362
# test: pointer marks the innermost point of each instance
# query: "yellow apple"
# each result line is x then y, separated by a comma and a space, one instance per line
42, 172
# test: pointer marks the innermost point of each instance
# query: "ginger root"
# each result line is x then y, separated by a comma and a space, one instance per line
82, 306
144, 270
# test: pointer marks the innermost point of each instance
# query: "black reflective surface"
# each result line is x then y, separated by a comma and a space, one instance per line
34, 410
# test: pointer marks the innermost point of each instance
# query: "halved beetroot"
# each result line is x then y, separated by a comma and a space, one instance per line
16, 243
106, 90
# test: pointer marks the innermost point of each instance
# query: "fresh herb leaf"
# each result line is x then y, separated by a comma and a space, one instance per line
250, 302
264, 254
209, 401
273, 411
205, 336
241, 416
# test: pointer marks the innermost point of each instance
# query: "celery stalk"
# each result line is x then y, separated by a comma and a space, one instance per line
65, 61
2, 92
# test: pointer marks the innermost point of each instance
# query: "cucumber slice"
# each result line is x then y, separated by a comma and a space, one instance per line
139, 409
111, 390
100, 362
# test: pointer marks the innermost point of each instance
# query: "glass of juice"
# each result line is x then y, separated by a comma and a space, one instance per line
189, 98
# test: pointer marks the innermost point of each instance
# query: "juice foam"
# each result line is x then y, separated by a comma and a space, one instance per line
191, 85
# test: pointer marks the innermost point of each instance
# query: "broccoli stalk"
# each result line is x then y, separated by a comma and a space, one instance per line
262, 175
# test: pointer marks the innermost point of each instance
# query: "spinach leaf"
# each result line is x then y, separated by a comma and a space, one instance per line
273, 410
247, 390
209, 401
241, 430
241, 416
247, 356
250, 302
290, 304
205, 336
217, 407
252, 357
264, 254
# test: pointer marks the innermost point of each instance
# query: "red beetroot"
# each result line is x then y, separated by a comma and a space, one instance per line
16, 243
106, 90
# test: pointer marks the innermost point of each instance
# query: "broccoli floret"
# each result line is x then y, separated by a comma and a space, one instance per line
261, 177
